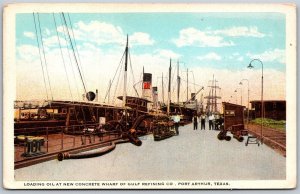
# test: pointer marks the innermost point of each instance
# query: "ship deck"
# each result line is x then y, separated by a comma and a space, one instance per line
193, 155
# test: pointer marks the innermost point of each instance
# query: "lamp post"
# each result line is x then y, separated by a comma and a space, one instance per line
262, 93
241, 83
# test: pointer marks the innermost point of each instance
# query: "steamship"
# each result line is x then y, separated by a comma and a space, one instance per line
73, 117
35, 120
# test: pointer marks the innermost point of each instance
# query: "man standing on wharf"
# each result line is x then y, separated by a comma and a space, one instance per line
195, 122
210, 121
176, 120
203, 117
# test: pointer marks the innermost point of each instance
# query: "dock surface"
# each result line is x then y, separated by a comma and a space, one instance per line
193, 155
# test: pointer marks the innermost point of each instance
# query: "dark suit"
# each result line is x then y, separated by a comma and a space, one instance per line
195, 123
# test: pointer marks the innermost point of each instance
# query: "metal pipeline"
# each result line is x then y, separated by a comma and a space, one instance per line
131, 135
239, 138
223, 135
64, 156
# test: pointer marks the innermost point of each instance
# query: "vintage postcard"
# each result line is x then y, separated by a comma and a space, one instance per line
149, 96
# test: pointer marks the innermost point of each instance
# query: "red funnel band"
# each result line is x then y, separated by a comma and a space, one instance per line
147, 85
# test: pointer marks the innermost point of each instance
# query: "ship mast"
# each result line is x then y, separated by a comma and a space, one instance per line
178, 83
187, 84
125, 74
212, 98
169, 90
162, 89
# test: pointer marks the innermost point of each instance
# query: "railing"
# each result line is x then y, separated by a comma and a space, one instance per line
33, 142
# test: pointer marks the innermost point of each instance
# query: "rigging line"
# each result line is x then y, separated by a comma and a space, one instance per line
117, 83
38, 43
132, 74
194, 81
78, 66
74, 54
79, 60
189, 82
141, 79
107, 92
65, 37
39, 25
62, 56
116, 73
173, 75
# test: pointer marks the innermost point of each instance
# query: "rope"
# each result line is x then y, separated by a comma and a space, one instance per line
79, 64
117, 83
107, 92
62, 55
65, 37
79, 60
65, 22
114, 76
74, 54
39, 24
38, 43
194, 81
132, 74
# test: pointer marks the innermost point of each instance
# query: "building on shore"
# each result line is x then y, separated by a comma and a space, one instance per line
273, 109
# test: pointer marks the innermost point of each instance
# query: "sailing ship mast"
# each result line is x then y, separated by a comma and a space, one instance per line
169, 90
162, 86
125, 74
187, 84
212, 98
178, 83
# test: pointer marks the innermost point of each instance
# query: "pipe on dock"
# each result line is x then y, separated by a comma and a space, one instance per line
223, 136
239, 138
64, 156
132, 136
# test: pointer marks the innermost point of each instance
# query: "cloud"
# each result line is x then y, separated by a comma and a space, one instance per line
99, 66
29, 34
195, 37
228, 80
52, 41
167, 54
100, 32
240, 58
103, 33
210, 56
27, 52
141, 38
276, 55
240, 31
46, 32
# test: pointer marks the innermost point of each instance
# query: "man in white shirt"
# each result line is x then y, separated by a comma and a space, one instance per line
211, 118
176, 120
203, 117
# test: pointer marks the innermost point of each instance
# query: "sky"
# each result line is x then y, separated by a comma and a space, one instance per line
207, 44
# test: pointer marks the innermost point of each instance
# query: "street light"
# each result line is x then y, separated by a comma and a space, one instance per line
241, 83
262, 93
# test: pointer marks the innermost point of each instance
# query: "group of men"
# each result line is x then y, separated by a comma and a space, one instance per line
214, 121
